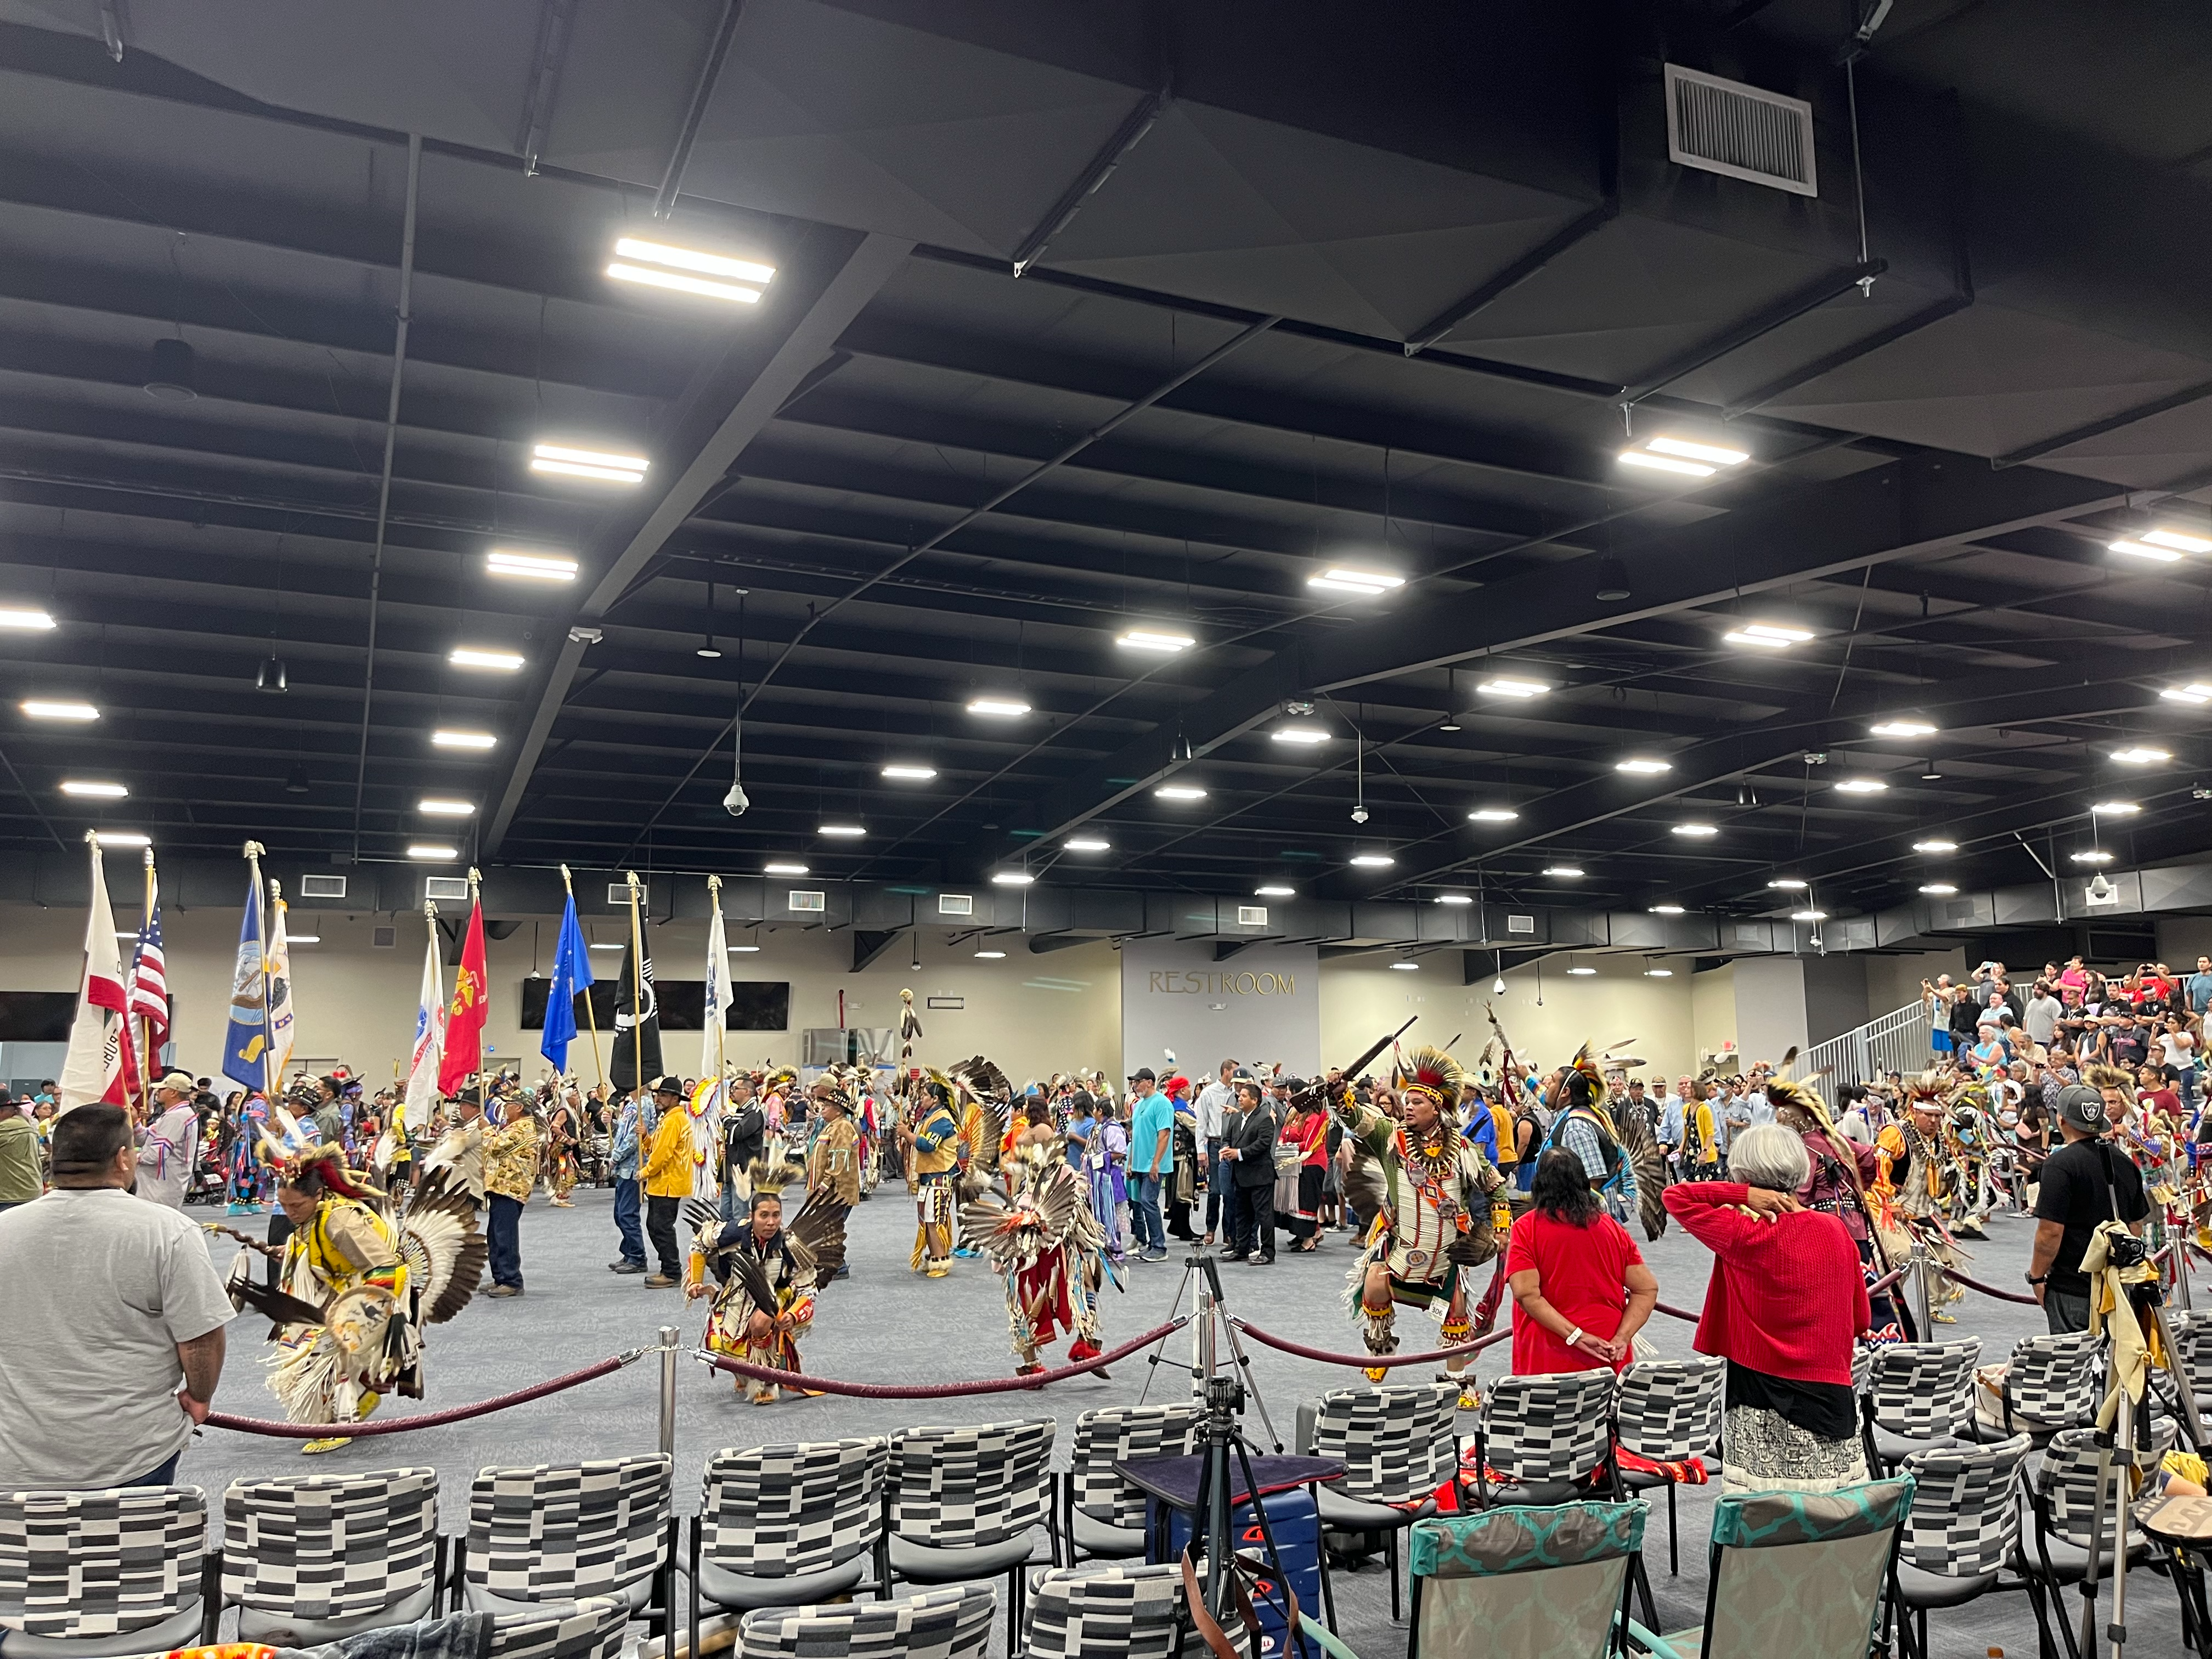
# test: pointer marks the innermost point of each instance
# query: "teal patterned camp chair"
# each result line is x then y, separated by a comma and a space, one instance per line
1477, 1592
1794, 1573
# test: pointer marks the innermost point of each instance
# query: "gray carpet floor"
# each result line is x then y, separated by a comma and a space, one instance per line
883, 1324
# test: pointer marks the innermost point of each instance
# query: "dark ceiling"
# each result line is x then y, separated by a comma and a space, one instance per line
909, 477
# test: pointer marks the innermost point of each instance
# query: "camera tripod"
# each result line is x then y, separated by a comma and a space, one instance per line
1201, 1275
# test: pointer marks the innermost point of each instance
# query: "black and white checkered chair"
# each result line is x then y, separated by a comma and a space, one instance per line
320, 1558
2049, 1383
2192, 1349
1398, 1442
952, 1621
786, 1526
1962, 1534
1106, 1613
1919, 1398
2062, 1499
1551, 1434
1670, 1411
567, 1533
961, 1503
1100, 1514
86, 1575
590, 1629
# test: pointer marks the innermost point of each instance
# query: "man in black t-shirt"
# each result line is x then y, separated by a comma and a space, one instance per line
2084, 1184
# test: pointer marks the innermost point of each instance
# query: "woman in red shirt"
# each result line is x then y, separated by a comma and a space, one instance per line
1308, 1131
1787, 1303
1581, 1291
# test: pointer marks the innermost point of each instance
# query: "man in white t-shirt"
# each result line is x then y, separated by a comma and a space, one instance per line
106, 1305
169, 1142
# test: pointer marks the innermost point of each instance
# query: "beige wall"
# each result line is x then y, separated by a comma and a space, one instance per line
1712, 1012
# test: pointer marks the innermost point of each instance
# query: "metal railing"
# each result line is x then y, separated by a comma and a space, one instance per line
1897, 1041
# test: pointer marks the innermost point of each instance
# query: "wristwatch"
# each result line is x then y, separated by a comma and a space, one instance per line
2035, 1279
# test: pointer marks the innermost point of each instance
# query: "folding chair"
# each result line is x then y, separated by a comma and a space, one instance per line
1535, 1582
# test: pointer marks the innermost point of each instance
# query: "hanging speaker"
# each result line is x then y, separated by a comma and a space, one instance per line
175, 377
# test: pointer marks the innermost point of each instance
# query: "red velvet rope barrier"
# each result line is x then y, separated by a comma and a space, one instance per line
1988, 1290
722, 1362
1364, 1359
424, 1419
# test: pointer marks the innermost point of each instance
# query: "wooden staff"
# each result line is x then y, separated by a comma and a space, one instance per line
637, 986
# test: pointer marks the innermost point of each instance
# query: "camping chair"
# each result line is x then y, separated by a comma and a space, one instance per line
1534, 1583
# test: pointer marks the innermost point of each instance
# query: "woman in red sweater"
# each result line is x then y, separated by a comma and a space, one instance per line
1787, 1301
1580, 1290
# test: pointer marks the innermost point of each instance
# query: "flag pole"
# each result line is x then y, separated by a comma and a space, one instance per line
591, 1015
476, 898
148, 1060
273, 1085
722, 1029
637, 985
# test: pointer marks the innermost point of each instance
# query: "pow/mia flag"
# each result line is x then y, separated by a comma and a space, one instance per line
637, 1032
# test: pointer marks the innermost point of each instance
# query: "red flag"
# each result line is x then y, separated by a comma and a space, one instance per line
464, 1019
92, 1071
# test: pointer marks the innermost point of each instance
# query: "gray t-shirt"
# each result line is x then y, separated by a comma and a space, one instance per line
97, 1288
2043, 1018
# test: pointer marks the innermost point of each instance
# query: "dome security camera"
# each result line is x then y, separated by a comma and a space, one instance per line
735, 803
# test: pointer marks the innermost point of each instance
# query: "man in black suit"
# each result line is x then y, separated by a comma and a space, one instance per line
1250, 1148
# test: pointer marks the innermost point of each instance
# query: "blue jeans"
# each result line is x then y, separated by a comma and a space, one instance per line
627, 1223
503, 1234
1151, 1234
162, 1474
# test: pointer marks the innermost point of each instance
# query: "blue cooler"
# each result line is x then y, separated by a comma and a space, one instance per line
1296, 1525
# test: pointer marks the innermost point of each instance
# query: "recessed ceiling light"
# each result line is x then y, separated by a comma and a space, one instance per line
659, 265
1299, 734
588, 464
2144, 550
122, 838
2179, 540
844, 831
2093, 856
1939, 888
1666, 909
1698, 831
1809, 915
1717, 455
1407, 967
1338, 580
1582, 972
1666, 464
1373, 860
1643, 765
1860, 786
1000, 708
429, 849
783, 867
1088, 844
1145, 639
991, 956
38, 709
1010, 878
538, 567
1180, 791
11, 617
1563, 871
434, 807
445, 738
98, 791
1787, 884
1903, 728
1454, 898
1936, 846
2195, 692
910, 774
1503, 687
2141, 754
469, 656
1273, 890
1769, 635
1492, 815
1658, 973
2116, 809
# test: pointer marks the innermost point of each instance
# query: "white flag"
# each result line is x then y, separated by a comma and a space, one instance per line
430, 1039
92, 1070
282, 1029
706, 1104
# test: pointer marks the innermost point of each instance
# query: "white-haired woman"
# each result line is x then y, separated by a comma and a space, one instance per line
1786, 1304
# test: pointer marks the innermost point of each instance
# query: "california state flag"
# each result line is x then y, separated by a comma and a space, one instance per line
92, 1072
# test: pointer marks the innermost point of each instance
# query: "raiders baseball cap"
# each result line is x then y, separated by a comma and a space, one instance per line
2084, 1107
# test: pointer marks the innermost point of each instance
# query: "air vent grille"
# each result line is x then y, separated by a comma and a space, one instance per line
798, 899
1251, 915
1520, 924
1726, 127
955, 904
322, 887
445, 887
383, 938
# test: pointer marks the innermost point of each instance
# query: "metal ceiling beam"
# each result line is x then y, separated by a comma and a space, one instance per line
1115, 150
1464, 310
1810, 296
703, 94
1881, 513
1843, 356
2097, 428
546, 65
829, 280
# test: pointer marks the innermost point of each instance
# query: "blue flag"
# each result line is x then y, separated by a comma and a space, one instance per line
245, 1044
572, 973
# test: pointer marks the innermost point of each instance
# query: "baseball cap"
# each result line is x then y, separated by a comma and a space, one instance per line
1144, 1072
2083, 1107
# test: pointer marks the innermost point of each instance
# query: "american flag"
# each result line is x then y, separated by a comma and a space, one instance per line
149, 982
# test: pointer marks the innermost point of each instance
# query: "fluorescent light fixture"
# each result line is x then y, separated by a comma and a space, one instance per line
1773, 635
1407, 967
1338, 580
2141, 754
1563, 871
1145, 639
429, 849
748, 948
1505, 687
2093, 856
1939, 888
1274, 889
1582, 972
1001, 708
1809, 915
588, 464
1373, 860
783, 867
445, 809
1300, 734
1010, 878
991, 956
2178, 539
843, 831
122, 838
2116, 809
1454, 898
1666, 909
623, 271
1642, 766
1903, 728
1787, 884
686, 258
303, 938
1492, 815
470, 656
538, 567
617, 947
1860, 786
1698, 831
903, 774
445, 738
2145, 550
96, 790
38, 709
11, 617
1088, 844
1666, 464
1180, 791
1714, 453
1658, 973
2195, 692
1936, 846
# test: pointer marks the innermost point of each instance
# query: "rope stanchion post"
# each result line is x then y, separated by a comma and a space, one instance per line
668, 1337
1919, 1287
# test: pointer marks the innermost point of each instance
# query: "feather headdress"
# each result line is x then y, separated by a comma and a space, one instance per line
1430, 1072
1581, 1083
775, 1168
296, 1152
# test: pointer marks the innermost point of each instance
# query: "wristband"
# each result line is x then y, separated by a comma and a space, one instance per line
1574, 1336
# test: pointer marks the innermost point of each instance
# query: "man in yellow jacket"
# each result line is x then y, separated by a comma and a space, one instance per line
667, 1179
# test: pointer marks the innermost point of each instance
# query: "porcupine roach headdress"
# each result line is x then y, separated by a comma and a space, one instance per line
776, 1169
1581, 1083
296, 1152
1433, 1073
1798, 1103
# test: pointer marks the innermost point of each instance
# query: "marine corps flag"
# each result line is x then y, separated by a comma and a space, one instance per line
464, 1019
637, 1040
